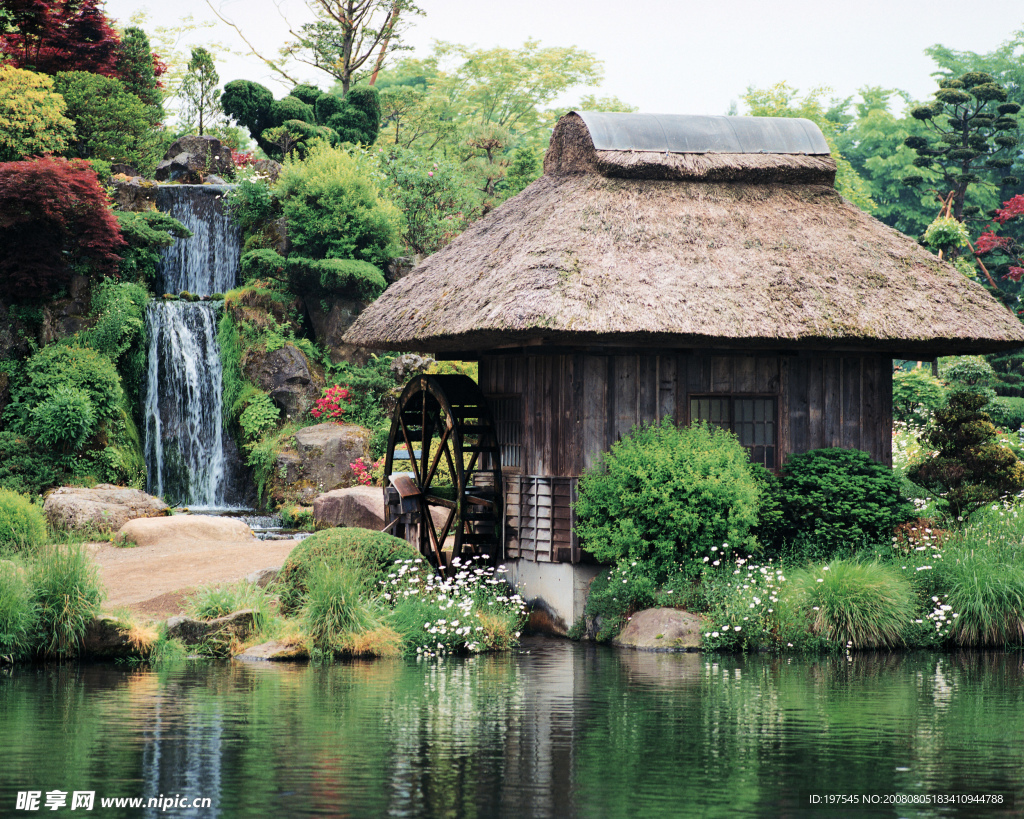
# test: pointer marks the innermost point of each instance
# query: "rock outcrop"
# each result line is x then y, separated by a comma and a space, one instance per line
661, 629
360, 507
133, 193
331, 318
192, 159
288, 377
176, 528
238, 624
108, 638
274, 651
318, 461
104, 507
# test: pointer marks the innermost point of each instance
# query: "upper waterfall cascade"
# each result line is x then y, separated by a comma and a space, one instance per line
185, 443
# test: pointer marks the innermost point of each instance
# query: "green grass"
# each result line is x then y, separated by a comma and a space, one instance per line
860, 605
338, 605
22, 523
17, 613
66, 591
211, 602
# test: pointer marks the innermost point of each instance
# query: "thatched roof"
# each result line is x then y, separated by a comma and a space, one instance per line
680, 249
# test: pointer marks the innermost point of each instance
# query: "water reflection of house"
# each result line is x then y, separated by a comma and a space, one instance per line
700, 268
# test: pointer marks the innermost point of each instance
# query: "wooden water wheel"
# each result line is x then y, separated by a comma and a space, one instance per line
444, 464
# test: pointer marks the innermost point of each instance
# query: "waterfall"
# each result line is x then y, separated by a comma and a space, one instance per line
187, 456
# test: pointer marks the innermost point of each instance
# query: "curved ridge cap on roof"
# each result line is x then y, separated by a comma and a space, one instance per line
690, 134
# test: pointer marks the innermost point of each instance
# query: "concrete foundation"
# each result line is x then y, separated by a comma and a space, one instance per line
556, 592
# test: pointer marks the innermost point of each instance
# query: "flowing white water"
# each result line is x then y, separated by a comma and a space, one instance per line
185, 443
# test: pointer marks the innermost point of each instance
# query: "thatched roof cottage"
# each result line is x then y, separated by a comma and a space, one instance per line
703, 268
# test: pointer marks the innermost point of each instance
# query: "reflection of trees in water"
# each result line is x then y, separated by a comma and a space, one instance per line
563, 730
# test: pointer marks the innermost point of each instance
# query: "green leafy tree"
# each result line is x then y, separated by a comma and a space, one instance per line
972, 129
871, 142
139, 69
199, 93
32, 120
111, 125
781, 100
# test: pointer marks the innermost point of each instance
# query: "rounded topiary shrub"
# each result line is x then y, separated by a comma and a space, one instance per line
368, 553
22, 523
840, 498
663, 496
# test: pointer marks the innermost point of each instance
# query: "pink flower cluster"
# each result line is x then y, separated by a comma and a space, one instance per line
330, 406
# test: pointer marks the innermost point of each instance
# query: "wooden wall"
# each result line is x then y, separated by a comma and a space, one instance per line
575, 406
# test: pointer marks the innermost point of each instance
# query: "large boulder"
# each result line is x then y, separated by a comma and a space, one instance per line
319, 460
104, 507
361, 507
133, 193
62, 318
331, 318
275, 651
184, 528
661, 629
288, 377
192, 158
239, 624
108, 637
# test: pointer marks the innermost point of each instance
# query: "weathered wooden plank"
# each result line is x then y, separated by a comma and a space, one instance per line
885, 420
625, 382
799, 411
595, 405
832, 413
744, 374
766, 375
667, 368
782, 428
647, 388
851, 402
871, 403
722, 373
815, 401
574, 461
549, 417
533, 417
698, 374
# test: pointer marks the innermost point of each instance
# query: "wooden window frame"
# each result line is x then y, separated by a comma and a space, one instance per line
498, 427
732, 397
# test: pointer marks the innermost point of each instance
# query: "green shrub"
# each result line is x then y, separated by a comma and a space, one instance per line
839, 497
66, 590
17, 613
24, 467
318, 277
971, 468
860, 605
1006, 413
260, 415
916, 393
211, 602
261, 264
22, 523
367, 554
664, 496
335, 210
614, 594
337, 605
65, 420
146, 233
58, 365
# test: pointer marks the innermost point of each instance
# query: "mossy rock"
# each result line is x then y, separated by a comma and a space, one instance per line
369, 553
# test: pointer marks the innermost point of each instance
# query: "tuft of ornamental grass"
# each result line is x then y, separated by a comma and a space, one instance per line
66, 590
860, 605
17, 613
338, 607
211, 602
379, 642
986, 593
22, 523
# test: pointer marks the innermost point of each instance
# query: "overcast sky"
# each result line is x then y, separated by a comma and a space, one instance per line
664, 56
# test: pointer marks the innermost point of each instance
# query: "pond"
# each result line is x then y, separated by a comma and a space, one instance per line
555, 729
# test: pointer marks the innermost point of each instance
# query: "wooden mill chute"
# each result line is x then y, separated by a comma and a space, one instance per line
449, 501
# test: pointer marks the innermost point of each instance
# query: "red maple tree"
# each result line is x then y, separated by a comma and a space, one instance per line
54, 223
61, 35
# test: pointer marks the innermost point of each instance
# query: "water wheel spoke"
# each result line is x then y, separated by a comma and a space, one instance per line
427, 521
442, 445
412, 452
434, 500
